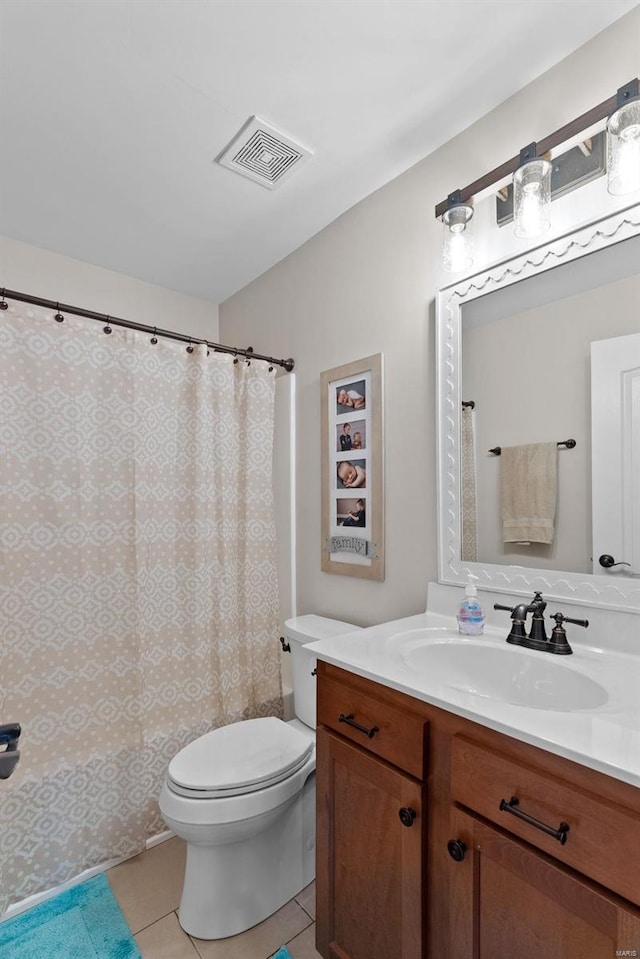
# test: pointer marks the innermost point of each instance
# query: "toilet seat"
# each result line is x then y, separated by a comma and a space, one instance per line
240, 758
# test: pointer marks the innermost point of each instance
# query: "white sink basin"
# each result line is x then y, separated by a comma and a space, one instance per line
507, 674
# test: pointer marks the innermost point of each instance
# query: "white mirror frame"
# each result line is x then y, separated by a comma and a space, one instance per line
609, 592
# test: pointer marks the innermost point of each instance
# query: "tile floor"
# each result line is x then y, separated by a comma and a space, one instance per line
148, 890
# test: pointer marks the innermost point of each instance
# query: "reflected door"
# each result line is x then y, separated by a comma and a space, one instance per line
615, 446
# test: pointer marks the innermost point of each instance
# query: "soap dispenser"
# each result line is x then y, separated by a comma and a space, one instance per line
470, 616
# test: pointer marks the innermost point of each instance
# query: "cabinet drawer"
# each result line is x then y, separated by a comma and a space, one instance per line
602, 840
398, 736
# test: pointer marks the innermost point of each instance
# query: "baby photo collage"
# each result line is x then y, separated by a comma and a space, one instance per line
351, 456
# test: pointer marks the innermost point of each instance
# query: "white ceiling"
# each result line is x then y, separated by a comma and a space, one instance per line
112, 112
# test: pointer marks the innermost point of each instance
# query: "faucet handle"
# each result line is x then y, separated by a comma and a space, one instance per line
560, 618
558, 642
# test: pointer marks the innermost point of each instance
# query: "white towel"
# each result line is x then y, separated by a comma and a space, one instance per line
529, 491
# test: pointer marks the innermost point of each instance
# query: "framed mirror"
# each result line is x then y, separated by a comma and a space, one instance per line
522, 352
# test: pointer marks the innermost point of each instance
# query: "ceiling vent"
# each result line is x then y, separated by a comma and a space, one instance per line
263, 154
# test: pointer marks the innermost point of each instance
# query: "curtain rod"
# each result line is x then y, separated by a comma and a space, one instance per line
154, 330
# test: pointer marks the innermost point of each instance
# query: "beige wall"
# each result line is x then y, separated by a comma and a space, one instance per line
28, 269
366, 284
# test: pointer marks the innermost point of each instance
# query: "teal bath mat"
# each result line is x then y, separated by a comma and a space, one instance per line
282, 954
84, 922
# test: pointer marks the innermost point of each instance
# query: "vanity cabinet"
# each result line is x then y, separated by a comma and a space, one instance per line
513, 851
510, 900
371, 850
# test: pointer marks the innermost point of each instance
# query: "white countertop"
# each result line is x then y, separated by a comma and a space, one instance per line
605, 738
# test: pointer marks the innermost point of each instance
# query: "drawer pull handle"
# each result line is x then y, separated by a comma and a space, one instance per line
560, 833
407, 815
350, 721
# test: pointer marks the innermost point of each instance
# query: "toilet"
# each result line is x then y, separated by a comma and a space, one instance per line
243, 798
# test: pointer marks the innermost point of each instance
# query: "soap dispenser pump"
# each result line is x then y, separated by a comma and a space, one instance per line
470, 616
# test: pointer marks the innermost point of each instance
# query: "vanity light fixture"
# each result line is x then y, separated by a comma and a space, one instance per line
623, 142
532, 194
457, 241
531, 171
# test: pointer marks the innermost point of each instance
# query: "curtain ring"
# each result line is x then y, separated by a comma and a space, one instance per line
154, 338
107, 329
59, 318
271, 369
3, 303
190, 348
235, 358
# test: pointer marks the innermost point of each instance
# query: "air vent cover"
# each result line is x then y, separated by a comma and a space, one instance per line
263, 154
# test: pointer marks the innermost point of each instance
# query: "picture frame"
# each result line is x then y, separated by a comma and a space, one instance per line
352, 469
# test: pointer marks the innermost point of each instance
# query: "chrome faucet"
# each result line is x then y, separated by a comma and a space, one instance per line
537, 638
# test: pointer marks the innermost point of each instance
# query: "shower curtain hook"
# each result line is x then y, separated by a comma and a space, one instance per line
107, 329
190, 348
154, 338
235, 357
59, 318
3, 303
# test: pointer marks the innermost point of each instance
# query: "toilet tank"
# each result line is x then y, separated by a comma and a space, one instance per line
299, 631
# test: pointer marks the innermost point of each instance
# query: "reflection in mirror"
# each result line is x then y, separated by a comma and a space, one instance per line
527, 340
526, 363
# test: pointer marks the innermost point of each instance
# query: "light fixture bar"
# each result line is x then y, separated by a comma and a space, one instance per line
579, 165
600, 112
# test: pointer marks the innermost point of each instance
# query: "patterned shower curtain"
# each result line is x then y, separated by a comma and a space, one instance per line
139, 586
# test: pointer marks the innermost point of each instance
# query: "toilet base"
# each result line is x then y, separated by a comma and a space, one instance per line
231, 886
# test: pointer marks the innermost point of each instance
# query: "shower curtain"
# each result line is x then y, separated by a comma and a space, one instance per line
139, 584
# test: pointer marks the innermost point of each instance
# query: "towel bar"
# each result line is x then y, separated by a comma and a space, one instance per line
497, 450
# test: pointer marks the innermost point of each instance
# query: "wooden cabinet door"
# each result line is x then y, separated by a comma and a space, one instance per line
508, 900
370, 866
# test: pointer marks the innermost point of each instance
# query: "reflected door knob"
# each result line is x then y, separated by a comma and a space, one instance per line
608, 561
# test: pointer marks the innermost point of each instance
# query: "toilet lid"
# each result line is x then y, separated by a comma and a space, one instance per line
239, 758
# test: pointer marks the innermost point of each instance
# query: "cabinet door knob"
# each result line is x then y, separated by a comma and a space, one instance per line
456, 849
407, 815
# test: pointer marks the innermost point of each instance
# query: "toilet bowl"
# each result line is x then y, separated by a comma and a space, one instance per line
243, 798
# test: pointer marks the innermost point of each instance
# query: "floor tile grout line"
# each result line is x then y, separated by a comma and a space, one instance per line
304, 909
271, 953
198, 953
149, 924
311, 923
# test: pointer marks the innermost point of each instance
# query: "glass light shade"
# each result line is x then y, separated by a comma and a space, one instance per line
623, 149
532, 198
457, 241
